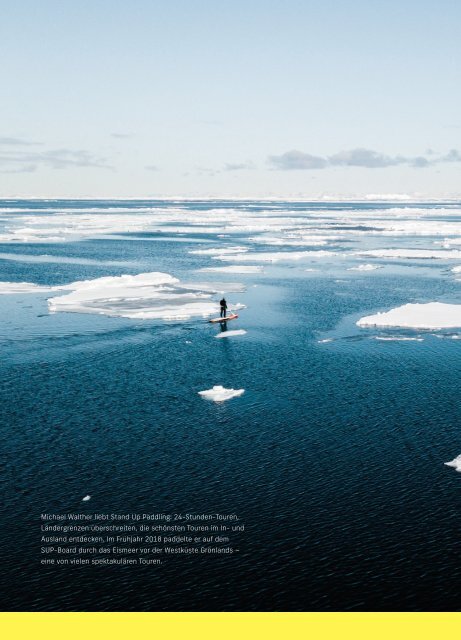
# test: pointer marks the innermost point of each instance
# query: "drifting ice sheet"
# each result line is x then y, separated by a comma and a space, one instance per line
432, 315
277, 256
144, 296
22, 287
218, 251
234, 268
229, 334
416, 254
398, 339
365, 267
220, 394
456, 463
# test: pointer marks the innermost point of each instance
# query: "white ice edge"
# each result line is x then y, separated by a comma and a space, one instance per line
230, 334
366, 267
234, 268
455, 463
276, 256
431, 315
416, 254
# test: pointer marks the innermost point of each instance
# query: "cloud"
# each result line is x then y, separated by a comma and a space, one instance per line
364, 158
8, 141
420, 162
27, 168
359, 157
122, 135
238, 166
151, 167
293, 160
452, 156
20, 161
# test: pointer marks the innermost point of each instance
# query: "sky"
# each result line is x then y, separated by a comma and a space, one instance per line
245, 98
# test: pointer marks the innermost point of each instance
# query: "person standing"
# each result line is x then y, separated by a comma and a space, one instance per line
223, 304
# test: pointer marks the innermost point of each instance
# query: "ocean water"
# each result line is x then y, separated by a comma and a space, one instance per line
334, 455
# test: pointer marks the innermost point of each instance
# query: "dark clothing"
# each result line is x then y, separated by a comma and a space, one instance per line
223, 304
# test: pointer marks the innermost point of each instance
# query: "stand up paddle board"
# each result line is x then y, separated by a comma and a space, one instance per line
231, 317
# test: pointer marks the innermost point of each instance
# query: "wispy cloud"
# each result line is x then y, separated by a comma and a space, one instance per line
14, 160
238, 166
359, 157
364, 158
151, 167
122, 135
295, 160
14, 142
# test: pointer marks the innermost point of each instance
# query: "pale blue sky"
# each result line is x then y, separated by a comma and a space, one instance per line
197, 98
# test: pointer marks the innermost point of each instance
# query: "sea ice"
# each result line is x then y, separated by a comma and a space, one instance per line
234, 268
293, 241
416, 254
220, 394
20, 257
22, 287
431, 315
398, 338
277, 256
365, 267
144, 296
455, 463
229, 334
218, 251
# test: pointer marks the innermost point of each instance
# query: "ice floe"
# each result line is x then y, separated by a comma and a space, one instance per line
294, 241
220, 251
455, 463
416, 254
144, 296
230, 334
366, 267
398, 339
234, 268
431, 315
20, 257
220, 394
22, 287
277, 256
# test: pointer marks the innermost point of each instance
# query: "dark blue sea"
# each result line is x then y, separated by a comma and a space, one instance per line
333, 457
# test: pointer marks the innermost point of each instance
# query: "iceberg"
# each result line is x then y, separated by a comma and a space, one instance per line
431, 315
220, 394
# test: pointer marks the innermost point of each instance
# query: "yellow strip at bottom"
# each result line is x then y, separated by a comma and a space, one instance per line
230, 626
